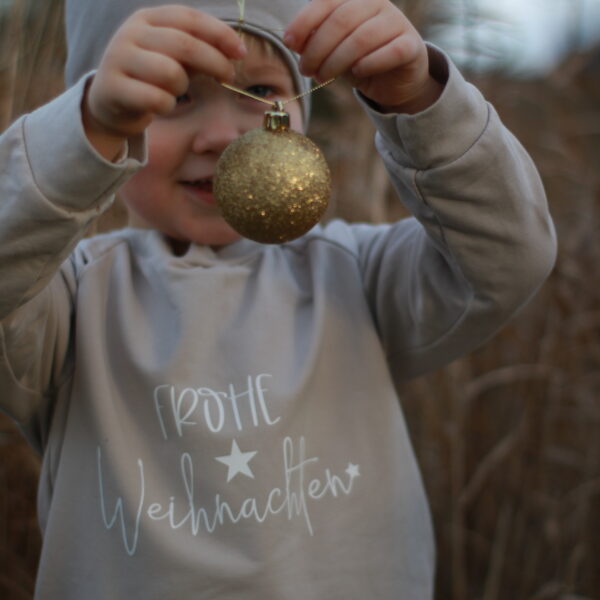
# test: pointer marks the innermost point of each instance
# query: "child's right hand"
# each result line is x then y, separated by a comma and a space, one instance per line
146, 66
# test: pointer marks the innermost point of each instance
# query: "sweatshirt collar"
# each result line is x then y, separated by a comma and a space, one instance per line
154, 245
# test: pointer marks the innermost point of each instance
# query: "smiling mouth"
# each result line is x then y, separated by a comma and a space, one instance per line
204, 185
201, 190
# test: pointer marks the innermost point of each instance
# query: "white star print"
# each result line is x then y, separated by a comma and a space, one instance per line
237, 462
352, 470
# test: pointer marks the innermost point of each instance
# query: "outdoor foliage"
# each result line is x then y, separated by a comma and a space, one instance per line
507, 438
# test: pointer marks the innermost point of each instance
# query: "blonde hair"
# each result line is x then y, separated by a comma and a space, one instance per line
263, 45
265, 48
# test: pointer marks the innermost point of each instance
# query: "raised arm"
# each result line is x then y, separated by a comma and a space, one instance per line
482, 242
61, 166
52, 186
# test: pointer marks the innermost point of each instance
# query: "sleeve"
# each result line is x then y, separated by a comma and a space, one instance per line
53, 184
481, 241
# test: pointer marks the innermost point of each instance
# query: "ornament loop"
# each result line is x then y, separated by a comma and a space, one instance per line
277, 119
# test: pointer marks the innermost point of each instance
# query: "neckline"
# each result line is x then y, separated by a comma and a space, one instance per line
154, 244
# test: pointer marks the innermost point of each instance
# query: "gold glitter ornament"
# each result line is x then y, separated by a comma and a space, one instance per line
272, 184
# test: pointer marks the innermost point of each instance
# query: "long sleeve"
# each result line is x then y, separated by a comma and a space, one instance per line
52, 186
482, 240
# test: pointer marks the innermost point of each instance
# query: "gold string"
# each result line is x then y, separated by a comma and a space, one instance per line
245, 93
242, 6
274, 102
313, 89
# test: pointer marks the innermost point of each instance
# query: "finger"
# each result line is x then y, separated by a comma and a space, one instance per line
138, 101
141, 97
307, 21
399, 52
198, 24
338, 26
188, 50
364, 41
158, 70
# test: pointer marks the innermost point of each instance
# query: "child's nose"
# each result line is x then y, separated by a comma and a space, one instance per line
216, 131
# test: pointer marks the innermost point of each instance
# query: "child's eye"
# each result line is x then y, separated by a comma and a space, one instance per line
261, 90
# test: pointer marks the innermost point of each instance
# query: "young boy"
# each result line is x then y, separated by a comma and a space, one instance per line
218, 418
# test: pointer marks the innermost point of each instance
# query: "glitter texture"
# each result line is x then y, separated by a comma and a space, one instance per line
272, 186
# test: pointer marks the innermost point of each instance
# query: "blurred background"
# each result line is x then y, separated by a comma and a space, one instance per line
508, 438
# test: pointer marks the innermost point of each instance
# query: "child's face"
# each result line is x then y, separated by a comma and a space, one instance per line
173, 192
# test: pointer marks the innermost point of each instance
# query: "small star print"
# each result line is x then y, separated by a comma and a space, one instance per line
237, 462
352, 470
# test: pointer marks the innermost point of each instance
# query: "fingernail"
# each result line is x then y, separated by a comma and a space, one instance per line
242, 49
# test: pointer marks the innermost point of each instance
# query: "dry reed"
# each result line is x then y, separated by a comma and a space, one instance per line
507, 438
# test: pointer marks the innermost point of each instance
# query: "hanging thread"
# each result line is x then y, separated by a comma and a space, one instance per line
273, 103
242, 8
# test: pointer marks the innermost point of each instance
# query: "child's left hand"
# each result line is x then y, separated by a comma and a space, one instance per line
370, 42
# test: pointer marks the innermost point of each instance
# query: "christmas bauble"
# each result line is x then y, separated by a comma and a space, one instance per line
272, 184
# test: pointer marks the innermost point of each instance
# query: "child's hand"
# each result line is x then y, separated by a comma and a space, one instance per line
145, 67
370, 42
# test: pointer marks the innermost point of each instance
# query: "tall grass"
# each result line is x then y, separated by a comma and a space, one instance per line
507, 437
31, 62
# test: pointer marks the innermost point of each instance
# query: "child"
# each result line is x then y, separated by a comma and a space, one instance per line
219, 418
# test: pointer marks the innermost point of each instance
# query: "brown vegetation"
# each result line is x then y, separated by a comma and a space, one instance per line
507, 438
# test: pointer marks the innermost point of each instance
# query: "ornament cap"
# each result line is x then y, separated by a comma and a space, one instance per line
277, 119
